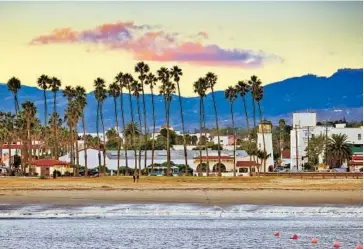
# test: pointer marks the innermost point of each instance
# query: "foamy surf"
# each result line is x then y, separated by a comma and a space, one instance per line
180, 211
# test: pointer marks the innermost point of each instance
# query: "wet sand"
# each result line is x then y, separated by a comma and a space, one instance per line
205, 191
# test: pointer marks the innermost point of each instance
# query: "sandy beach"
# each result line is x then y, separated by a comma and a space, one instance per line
205, 191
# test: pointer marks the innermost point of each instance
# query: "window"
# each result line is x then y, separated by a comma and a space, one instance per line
243, 170
359, 136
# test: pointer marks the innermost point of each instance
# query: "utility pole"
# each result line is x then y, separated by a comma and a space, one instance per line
326, 142
296, 146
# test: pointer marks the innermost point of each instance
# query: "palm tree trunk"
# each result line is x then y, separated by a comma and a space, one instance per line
133, 132
247, 123
145, 128
217, 128
255, 125
45, 108
97, 131
199, 145
9, 147
140, 140
168, 142
117, 125
55, 125
261, 120
77, 152
183, 128
234, 134
103, 133
124, 138
153, 138
206, 147
84, 143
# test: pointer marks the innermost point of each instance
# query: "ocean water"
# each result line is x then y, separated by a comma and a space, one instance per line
166, 226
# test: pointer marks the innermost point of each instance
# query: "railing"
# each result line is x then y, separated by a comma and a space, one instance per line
323, 175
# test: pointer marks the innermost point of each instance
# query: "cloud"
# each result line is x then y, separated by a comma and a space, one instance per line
151, 43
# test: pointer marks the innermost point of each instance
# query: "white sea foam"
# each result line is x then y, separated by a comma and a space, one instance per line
183, 210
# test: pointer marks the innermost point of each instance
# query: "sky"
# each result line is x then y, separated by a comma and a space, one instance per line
80, 41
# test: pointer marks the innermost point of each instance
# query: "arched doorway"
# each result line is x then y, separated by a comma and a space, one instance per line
216, 168
201, 167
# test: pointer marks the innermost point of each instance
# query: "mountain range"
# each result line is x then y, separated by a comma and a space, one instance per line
334, 97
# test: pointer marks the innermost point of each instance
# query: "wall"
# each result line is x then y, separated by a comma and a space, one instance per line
268, 148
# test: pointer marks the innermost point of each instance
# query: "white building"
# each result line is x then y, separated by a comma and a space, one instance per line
304, 128
266, 128
224, 140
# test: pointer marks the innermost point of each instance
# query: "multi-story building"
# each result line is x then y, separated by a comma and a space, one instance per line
304, 128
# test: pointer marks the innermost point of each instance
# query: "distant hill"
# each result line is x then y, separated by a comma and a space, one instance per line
337, 96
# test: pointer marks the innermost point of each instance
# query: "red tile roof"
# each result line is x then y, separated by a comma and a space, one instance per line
214, 157
246, 163
352, 163
357, 157
48, 162
286, 154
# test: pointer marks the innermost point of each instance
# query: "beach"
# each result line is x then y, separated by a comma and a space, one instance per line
199, 190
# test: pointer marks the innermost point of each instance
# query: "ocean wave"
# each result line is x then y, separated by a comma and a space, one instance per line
180, 211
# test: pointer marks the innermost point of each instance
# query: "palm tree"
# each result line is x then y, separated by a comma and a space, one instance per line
54, 85
211, 79
122, 85
30, 111
136, 89
151, 80
127, 81
7, 126
230, 94
14, 86
199, 87
243, 88
258, 96
114, 91
263, 156
176, 73
338, 150
167, 89
43, 82
100, 96
254, 84
81, 100
282, 125
143, 69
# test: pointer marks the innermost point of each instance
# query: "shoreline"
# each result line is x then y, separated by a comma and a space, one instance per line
202, 197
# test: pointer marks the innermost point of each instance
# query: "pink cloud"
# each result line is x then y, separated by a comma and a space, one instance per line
152, 44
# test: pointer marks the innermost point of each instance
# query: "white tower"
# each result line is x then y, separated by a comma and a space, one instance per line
266, 129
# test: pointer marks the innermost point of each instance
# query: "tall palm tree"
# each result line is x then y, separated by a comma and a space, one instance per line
127, 81
136, 89
258, 96
230, 94
100, 96
114, 91
254, 84
151, 80
167, 89
176, 73
338, 150
81, 100
122, 85
14, 86
143, 70
43, 83
54, 85
199, 87
211, 79
30, 111
243, 89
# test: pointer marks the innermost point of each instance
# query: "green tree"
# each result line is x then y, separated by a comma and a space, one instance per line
136, 90
30, 111
316, 147
81, 101
230, 95
14, 86
43, 82
338, 150
54, 85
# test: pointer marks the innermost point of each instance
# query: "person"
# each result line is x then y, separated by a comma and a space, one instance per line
138, 178
134, 178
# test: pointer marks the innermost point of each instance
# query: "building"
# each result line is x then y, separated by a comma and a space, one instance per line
265, 137
304, 128
46, 167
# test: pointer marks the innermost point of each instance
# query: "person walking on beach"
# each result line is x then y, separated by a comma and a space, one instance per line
138, 178
134, 178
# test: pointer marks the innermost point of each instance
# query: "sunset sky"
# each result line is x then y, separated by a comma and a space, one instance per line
80, 41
